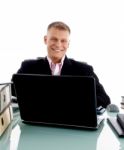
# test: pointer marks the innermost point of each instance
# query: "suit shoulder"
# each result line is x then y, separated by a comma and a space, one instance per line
80, 63
30, 65
32, 61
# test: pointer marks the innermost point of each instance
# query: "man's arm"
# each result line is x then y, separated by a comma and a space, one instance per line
87, 70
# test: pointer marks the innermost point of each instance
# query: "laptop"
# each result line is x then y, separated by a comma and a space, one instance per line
68, 101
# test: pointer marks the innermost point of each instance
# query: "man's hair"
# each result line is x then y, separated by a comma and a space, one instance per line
59, 25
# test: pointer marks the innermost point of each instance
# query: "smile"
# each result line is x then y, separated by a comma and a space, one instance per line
57, 50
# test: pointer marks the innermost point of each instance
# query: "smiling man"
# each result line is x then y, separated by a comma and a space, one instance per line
56, 62
57, 41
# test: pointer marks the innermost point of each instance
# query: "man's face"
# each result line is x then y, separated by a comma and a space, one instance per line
57, 42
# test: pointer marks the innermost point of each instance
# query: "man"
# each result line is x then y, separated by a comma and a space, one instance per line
57, 63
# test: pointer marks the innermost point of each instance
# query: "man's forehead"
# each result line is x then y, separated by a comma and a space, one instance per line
54, 29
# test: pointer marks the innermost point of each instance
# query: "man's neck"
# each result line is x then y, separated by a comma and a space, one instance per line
55, 66
56, 60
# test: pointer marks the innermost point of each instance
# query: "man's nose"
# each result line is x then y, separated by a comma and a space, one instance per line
58, 43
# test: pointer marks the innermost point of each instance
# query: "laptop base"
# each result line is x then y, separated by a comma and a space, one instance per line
63, 125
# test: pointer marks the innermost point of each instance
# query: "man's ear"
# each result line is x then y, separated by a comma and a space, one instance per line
45, 39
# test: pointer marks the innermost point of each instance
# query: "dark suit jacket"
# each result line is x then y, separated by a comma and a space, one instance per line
70, 67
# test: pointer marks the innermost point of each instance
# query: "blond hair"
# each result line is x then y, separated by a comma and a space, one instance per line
59, 25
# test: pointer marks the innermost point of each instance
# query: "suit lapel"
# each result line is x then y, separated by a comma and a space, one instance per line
47, 67
44, 66
66, 69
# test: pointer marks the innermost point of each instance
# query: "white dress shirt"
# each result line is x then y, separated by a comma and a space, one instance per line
55, 68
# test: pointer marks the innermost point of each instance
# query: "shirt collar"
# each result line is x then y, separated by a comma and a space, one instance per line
50, 61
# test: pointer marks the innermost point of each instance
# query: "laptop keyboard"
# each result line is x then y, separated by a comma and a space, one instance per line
99, 119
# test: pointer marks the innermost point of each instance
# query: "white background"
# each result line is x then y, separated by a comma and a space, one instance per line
97, 36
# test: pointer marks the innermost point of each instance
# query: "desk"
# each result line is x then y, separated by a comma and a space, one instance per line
20, 136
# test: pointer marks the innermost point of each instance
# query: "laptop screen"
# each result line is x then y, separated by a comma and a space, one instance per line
62, 100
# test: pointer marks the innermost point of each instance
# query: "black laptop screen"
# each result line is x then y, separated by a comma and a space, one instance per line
68, 100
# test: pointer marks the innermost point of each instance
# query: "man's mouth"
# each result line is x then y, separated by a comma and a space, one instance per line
57, 50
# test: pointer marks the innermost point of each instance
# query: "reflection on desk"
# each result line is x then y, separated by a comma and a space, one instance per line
20, 136
56, 138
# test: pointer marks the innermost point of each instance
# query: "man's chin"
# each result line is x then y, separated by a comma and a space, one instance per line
57, 54
57, 58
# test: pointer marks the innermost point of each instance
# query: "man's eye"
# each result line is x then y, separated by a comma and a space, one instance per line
64, 41
54, 40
